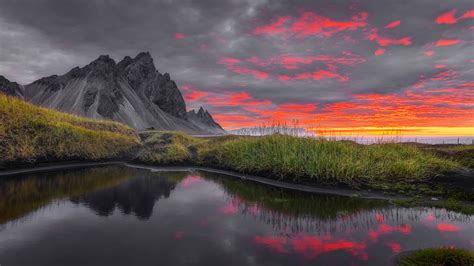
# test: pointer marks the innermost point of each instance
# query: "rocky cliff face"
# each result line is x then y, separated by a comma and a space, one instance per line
131, 91
10, 88
204, 120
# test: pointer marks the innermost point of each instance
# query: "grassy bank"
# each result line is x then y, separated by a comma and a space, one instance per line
439, 256
29, 134
305, 160
286, 157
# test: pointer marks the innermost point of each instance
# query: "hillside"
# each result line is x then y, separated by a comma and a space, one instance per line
33, 134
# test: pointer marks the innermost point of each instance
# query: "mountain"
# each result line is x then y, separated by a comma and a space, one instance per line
203, 120
10, 88
131, 91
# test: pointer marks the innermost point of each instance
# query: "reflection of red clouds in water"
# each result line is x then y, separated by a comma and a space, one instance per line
395, 247
430, 217
379, 218
275, 243
386, 229
429, 53
445, 227
231, 207
190, 180
178, 235
312, 247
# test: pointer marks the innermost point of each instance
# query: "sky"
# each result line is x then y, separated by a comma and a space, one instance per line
335, 67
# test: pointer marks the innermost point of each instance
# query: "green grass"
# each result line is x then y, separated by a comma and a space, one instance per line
29, 134
301, 159
439, 256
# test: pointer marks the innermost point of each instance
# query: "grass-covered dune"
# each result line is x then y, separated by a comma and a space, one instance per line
30, 133
438, 256
296, 159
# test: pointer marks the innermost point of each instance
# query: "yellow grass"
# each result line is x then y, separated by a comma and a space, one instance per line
29, 133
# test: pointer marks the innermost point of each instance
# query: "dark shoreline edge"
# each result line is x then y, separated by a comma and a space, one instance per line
56, 166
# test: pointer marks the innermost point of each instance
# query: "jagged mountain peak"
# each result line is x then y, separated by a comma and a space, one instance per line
131, 91
204, 119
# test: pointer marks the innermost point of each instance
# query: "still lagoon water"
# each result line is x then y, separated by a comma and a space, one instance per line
118, 215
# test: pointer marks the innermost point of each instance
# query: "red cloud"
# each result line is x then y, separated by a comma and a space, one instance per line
273, 28
292, 61
192, 94
468, 14
382, 41
447, 18
393, 24
179, 35
379, 52
195, 95
230, 63
310, 23
320, 74
447, 42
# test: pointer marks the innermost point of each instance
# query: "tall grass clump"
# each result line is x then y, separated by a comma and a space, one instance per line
30, 133
322, 161
439, 256
166, 148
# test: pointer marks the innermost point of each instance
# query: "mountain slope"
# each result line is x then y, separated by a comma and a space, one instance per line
131, 91
10, 88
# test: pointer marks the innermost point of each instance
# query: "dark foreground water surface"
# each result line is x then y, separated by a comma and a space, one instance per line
117, 215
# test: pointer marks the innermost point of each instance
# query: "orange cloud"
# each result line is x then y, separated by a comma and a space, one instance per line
447, 42
447, 18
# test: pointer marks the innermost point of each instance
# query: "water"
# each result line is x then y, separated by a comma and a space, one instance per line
117, 215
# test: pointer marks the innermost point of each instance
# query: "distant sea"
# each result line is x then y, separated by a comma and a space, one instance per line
419, 139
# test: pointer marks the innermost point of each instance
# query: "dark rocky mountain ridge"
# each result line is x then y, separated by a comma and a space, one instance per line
10, 88
131, 91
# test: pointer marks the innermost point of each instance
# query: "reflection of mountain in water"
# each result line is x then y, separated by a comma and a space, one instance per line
21, 196
136, 196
